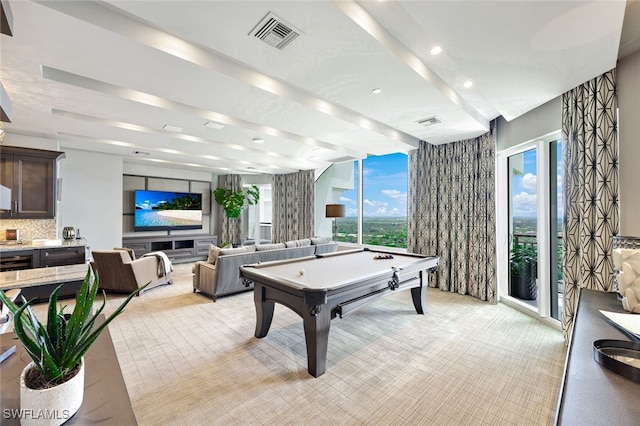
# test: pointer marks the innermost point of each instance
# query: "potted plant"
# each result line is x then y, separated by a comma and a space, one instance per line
234, 202
54, 380
524, 268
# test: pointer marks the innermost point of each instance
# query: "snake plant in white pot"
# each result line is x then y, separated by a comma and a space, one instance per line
53, 383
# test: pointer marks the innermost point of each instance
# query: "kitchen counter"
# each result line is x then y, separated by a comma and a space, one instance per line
27, 245
42, 276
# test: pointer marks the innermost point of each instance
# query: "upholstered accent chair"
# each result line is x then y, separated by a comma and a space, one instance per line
119, 272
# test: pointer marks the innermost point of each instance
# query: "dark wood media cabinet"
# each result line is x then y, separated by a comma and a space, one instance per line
177, 247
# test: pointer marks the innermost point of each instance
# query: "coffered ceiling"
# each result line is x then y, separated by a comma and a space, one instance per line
108, 76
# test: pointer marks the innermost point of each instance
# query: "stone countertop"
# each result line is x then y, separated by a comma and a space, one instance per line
40, 276
26, 245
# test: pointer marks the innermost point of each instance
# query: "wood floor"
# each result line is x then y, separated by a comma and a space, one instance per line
189, 361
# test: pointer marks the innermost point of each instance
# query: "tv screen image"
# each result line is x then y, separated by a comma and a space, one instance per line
162, 210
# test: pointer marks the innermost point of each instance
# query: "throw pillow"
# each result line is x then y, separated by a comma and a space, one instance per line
320, 240
214, 252
298, 243
132, 254
243, 249
266, 247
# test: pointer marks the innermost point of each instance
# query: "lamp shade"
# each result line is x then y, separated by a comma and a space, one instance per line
334, 210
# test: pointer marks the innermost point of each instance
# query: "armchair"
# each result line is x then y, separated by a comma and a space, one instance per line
118, 272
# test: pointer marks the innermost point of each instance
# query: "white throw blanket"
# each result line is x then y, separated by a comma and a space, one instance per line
164, 264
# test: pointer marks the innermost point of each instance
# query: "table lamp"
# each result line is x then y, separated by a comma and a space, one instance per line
333, 211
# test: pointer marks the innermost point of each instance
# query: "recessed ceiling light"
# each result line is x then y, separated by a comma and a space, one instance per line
170, 128
467, 84
213, 125
258, 140
376, 91
436, 50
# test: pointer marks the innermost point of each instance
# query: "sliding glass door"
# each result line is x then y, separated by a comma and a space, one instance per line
530, 212
523, 227
556, 212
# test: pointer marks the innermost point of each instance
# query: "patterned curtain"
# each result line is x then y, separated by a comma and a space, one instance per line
230, 229
292, 206
590, 170
451, 213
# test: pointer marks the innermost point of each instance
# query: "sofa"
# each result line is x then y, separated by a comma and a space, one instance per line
219, 275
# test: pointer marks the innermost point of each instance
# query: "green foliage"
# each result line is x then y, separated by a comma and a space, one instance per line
378, 231
234, 202
186, 202
57, 348
523, 258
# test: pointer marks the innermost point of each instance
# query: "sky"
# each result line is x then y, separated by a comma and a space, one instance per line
523, 187
385, 187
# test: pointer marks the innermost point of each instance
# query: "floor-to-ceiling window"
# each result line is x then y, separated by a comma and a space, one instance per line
523, 226
257, 219
374, 193
384, 204
529, 210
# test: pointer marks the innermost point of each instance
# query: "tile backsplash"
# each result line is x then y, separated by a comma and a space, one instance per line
30, 229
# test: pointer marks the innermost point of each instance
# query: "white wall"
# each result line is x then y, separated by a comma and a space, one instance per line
542, 120
91, 197
166, 172
628, 88
329, 188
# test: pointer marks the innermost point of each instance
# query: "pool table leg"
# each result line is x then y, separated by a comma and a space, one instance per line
419, 296
316, 333
264, 311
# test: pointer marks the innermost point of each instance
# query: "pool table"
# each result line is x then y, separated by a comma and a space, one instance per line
322, 287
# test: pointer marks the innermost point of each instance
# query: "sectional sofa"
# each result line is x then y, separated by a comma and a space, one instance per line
219, 275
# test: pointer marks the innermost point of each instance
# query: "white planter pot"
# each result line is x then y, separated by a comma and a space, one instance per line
53, 406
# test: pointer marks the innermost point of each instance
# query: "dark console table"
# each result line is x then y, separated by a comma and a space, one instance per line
106, 400
591, 394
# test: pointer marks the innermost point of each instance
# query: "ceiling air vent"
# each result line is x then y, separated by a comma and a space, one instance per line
274, 31
429, 121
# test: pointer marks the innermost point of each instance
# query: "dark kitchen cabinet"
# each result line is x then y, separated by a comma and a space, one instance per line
31, 176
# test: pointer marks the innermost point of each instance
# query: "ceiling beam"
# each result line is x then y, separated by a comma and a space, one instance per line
362, 18
111, 19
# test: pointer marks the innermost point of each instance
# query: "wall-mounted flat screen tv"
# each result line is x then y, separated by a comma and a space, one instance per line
162, 210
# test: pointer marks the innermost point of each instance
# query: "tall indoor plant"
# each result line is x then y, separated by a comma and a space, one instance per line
57, 350
524, 271
233, 202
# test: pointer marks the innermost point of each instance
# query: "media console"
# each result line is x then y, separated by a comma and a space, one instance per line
177, 247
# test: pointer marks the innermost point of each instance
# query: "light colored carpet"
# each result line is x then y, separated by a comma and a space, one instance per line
188, 361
